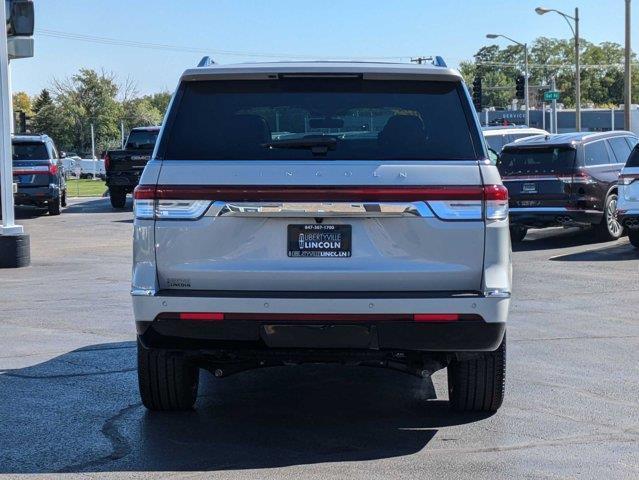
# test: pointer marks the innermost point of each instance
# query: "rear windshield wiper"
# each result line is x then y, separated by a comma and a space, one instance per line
317, 145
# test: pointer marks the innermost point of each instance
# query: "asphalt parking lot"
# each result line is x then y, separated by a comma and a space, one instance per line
69, 401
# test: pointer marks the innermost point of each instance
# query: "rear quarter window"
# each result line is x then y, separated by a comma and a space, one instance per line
596, 153
368, 120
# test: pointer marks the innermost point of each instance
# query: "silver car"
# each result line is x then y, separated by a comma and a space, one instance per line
321, 213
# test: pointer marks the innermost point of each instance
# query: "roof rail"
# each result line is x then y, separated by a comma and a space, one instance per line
437, 61
206, 62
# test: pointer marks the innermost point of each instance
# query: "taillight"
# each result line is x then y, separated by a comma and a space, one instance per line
107, 161
579, 177
628, 178
146, 205
496, 198
190, 202
53, 169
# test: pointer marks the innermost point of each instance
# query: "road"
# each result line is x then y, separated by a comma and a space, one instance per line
69, 400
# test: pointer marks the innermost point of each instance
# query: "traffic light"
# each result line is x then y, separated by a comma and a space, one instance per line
20, 18
520, 87
477, 93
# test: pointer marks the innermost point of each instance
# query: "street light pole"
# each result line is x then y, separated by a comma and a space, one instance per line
577, 74
575, 32
627, 74
526, 72
526, 80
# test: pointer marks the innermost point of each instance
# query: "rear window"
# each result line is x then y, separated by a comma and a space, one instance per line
330, 118
633, 159
536, 161
30, 151
142, 139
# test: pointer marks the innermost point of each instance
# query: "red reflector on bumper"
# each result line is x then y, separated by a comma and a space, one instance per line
201, 316
436, 317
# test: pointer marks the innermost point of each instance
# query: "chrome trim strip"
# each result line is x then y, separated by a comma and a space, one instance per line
497, 293
320, 209
142, 292
549, 210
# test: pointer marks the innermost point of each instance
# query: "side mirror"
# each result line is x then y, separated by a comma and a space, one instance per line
63, 154
493, 156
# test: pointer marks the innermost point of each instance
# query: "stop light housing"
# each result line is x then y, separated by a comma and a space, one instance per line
520, 87
20, 18
477, 93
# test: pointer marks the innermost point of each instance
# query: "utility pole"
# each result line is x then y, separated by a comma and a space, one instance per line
122, 134
627, 87
554, 108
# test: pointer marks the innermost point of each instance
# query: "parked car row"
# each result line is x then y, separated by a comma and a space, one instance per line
76, 167
572, 179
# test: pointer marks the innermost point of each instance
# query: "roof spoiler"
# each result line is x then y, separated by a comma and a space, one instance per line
206, 62
439, 62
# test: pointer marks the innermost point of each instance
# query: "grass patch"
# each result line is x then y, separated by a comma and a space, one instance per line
85, 187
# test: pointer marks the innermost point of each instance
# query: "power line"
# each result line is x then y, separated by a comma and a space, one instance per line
549, 65
181, 48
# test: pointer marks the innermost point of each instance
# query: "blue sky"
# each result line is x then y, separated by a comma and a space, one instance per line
312, 29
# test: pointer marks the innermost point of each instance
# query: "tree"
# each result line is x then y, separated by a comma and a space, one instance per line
89, 98
22, 103
42, 100
601, 74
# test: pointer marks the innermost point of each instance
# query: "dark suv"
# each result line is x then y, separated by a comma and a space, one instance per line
565, 180
38, 172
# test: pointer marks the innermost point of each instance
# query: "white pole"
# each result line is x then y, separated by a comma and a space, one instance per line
122, 135
612, 119
6, 158
486, 117
93, 149
543, 115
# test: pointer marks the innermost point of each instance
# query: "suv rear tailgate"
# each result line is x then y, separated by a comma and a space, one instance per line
415, 252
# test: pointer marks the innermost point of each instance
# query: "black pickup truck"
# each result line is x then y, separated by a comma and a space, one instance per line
124, 167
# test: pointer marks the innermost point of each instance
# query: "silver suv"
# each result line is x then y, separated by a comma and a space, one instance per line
321, 213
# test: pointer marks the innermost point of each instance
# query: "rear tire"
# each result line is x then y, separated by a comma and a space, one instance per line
54, 206
478, 385
118, 197
167, 381
609, 229
633, 236
517, 233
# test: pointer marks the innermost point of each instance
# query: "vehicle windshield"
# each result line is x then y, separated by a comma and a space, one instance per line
336, 118
535, 161
141, 139
30, 151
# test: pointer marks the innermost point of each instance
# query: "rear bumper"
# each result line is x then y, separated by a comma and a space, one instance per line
553, 216
37, 197
455, 336
629, 219
123, 179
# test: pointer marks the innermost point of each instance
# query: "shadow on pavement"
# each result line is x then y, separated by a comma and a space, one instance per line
98, 205
551, 239
613, 253
80, 412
